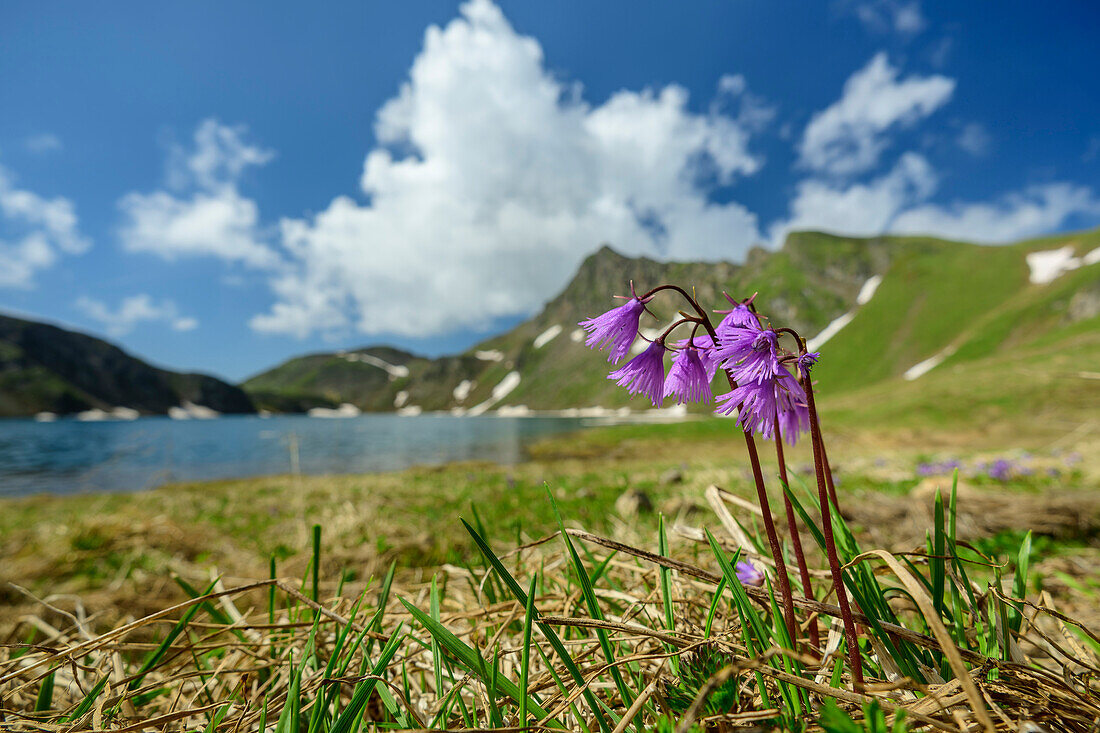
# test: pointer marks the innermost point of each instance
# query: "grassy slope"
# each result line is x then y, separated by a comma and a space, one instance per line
935, 294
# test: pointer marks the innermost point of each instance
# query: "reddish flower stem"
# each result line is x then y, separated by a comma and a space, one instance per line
854, 659
781, 578
796, 540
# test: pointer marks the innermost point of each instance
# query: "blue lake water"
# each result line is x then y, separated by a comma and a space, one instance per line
67, 456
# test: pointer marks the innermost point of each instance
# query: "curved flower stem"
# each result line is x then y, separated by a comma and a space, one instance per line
792, 529
854, 658
781, 578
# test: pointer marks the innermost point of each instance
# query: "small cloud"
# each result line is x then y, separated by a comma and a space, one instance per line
34, 232
215, 219
43, 142
850, 135
940, 52
1092, 150
132, 311
887, 16
185, 324
974, 139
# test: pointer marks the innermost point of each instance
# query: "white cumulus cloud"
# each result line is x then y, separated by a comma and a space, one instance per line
493, 179
859, 209
850, 135
1035, 210
132, 311
34, 232
204, 214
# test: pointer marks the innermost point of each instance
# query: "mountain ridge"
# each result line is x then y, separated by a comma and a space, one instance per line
46, 368
932, 296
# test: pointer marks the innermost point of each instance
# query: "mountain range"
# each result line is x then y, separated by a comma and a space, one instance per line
901, 318
902, 311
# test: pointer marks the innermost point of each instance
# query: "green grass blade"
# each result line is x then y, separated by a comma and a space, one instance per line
44, 701
547, 631
589, 595
154, 658
525, 660
937, 561
351, 715
86, 704
469, 657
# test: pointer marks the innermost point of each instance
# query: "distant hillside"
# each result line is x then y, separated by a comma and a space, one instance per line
928, 305
44, 368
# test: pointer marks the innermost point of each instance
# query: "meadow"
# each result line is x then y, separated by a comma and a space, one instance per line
118, 575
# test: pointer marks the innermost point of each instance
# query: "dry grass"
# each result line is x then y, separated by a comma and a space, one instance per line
249, 654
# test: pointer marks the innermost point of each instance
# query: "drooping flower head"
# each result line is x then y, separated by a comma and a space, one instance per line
760, 404
704, 344
750, 353
748, 573
807, 360
688, 379
794, 412
645, 373
616, 329
740, 316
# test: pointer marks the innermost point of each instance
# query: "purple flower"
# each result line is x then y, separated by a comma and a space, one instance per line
759, 403
688, 378
794, 411
645, 373
748, 573
740, 316
1000, 470
749, 353
705, 345
617, 328
807, 360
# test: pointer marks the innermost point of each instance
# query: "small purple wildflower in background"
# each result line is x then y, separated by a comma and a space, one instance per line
617, 329
750, 353
645, 373
748, 573
688, 379
1000, 470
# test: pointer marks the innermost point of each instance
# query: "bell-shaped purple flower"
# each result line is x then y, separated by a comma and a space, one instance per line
750, 353
807, 360
617, 329
794, 412
704, 344
688, 379
645, 373
748, 573
740, 316
762, 403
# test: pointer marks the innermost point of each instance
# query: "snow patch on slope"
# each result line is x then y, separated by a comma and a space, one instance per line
866, 292
920, 369
395, 371
462, 391
1051, 264
503, 389
490, 355
547, 336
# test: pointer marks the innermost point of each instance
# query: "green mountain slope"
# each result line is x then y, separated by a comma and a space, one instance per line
44, 368
954, 302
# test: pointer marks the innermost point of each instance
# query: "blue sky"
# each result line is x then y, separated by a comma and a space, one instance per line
219, 186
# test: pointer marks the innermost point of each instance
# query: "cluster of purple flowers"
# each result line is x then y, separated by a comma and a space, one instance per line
765, 394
